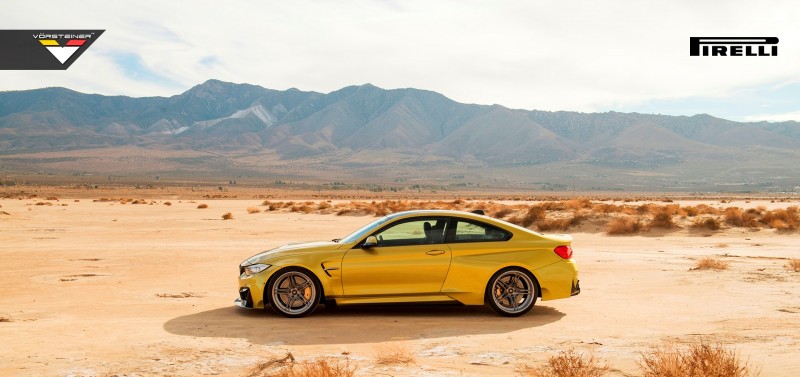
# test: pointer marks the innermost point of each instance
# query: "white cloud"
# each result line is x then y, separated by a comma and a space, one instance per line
551, 55
774, 117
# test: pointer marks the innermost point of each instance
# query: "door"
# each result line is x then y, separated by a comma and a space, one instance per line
410, 258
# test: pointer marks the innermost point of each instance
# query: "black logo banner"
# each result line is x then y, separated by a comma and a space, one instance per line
43, 49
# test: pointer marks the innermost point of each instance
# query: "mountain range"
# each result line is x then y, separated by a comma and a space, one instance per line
364, 127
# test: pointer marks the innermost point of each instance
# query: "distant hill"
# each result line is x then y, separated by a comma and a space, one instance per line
366, 126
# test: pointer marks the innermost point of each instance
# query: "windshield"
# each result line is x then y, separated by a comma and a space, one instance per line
355, 236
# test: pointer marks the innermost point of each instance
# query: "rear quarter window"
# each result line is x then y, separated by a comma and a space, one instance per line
471, 231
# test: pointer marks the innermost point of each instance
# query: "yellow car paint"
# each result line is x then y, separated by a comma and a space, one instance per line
421, 256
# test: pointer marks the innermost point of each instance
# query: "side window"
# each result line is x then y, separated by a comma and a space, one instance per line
414, 232
467, 231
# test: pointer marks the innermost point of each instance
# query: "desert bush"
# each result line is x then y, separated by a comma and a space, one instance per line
566, 364
699, 360
51, 198
323, 206
563, 223
304, 208
605, 208
782, 219
709, 263
252, 210
202, 206
227, 216
394, 355
503, 213
318, 368
646, 208
532, 215
662, 218
167, 203
793, 265
623, 225
576, 204
710, 223
734, 216
700, 209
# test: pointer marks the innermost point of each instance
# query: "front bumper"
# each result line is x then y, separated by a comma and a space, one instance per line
245, 299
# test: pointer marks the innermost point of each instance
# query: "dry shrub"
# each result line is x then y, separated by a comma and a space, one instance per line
734, 216
559, 224
318, 368
710, 223
576, 204
662, 218
167, 203
793, 265
503, 213
323, 206
202, 206
709, 263
303, 208
700, 209
782, 219
394, 355
605, 208
699, 360
52, 198
227, 216
647, 208
567, 364
252, 210
534, 214
623, 225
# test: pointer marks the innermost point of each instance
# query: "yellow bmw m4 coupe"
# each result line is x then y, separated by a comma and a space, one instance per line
415, 256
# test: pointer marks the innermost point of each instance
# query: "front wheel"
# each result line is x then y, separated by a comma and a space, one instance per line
294, 292
512, 292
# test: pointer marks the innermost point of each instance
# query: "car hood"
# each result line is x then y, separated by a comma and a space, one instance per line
291, 249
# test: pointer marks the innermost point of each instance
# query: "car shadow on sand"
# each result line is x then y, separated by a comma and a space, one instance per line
348, 325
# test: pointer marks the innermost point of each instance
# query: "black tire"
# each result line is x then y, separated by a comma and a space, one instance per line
293, 292
512, 292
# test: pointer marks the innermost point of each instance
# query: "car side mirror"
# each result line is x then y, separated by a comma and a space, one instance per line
371, 241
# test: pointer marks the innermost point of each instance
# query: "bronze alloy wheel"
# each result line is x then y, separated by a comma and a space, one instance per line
294, 293
512, 292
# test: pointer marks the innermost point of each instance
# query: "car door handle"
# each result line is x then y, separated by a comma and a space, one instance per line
434, 252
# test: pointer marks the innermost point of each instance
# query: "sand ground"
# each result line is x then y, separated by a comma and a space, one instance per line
101, 289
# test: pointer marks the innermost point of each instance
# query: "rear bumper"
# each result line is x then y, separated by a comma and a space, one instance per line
558, 280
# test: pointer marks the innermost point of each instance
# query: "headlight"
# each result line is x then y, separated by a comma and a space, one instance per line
254, 269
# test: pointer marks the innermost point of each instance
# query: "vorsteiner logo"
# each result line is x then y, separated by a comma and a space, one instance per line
733, 46
43, 49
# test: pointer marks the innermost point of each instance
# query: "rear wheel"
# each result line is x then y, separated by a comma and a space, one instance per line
294, 292
512, 292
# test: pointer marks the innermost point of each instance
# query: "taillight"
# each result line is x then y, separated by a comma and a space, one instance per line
563, 251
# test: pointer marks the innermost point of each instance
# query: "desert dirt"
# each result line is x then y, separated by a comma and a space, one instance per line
103, 288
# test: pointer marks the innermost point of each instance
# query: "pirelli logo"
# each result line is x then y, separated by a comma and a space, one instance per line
733, 46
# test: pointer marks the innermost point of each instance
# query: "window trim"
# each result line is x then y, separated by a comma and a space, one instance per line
451, 238
446, 219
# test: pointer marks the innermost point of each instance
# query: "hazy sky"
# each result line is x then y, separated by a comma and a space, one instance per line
589, 56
